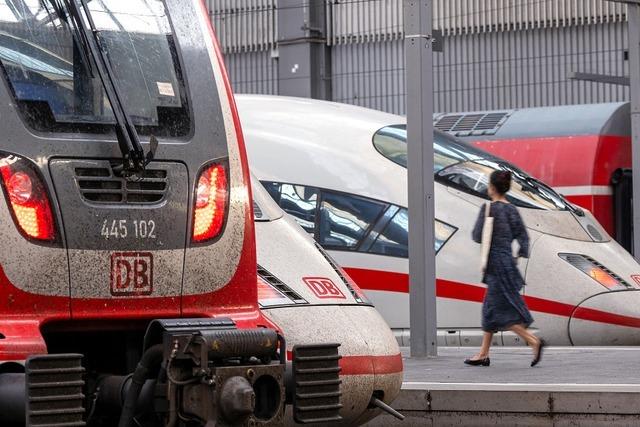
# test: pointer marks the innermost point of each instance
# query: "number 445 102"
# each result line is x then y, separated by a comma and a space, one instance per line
122, 228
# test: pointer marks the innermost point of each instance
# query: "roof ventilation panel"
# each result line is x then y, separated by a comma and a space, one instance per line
471, 124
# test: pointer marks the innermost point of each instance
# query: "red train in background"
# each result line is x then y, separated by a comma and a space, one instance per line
583, 151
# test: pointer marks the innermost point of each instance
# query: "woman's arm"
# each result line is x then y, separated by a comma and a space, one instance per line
476, 235
519, 232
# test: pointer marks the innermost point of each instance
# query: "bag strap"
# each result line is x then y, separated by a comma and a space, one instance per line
487, 210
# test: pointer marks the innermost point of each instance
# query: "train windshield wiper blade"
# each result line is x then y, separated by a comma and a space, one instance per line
87, 36
542, 186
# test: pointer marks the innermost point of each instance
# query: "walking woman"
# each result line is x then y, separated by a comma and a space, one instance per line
503, 308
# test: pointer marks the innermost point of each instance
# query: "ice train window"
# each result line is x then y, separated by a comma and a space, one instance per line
343, 220
443, 232
55, 84
467, 168
394, 239
297, 200
473, 177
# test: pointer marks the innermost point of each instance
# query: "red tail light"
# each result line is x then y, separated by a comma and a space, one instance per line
26, 194
269, 296
210, 205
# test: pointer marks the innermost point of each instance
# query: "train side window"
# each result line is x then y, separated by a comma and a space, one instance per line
298, 201
443, 232
394, 239
343, 220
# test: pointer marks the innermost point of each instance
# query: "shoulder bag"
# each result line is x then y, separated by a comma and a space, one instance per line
487, 233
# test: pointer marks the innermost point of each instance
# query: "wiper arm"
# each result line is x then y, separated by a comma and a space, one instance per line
79, 36
541, 185
133, 157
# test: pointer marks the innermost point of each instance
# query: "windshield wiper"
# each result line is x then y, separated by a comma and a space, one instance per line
539, 185
134, 160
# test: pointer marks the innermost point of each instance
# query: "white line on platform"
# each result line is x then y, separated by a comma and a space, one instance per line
588, 388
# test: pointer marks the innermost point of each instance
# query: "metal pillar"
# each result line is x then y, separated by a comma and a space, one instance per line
633, 15
418, 16
304, 60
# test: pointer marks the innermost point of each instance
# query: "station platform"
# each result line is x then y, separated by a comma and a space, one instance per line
590, 386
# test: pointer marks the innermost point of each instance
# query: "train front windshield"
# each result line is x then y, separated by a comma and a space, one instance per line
467, 168
55, 80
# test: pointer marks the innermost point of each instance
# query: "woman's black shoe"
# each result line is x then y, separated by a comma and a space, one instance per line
538, 356
479, 362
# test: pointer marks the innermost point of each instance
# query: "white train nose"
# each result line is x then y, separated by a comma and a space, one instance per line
371, 361
610, 318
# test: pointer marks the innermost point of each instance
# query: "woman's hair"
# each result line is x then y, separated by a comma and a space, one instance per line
501, 181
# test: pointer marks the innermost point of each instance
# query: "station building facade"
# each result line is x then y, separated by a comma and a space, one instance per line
494, 54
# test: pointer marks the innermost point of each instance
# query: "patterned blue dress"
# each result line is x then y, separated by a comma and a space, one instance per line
503, 304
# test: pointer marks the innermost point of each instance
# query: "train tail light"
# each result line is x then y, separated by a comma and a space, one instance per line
596, 271
273, 291
26, 195
211, 198
269, 296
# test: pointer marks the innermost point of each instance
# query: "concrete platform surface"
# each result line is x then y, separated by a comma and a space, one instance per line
572, 386
618, 366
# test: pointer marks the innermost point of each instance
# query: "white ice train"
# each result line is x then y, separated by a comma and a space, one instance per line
313, 301
340, 171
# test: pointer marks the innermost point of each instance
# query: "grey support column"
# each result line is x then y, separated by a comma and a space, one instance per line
418, 15
304, 61
633, 14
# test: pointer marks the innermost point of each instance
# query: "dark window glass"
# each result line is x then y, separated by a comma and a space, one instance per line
443, 233
53, 83
297, 200
473, 177
394, 239
344, 219
467, 168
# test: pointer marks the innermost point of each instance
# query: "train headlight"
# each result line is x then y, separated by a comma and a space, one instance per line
274, 292
596, 271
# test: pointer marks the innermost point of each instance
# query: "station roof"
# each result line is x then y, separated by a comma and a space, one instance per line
567, 120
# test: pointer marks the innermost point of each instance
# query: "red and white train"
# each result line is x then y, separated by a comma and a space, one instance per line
582, 151
340, 171
304, 291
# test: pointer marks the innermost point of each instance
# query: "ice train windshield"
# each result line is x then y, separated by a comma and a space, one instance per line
467, 168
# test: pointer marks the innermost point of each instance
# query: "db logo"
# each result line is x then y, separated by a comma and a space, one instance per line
636, 277
323, 288
131, 273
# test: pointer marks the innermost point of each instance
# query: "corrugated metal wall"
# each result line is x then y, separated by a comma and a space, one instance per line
529, 68
247, 30
497, 53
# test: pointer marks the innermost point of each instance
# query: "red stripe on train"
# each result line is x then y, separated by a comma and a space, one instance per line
368, 365
399, 282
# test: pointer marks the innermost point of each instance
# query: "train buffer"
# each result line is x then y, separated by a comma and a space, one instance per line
571, 386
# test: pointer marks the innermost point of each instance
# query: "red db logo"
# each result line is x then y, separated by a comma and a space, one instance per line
323, 288
131, 273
